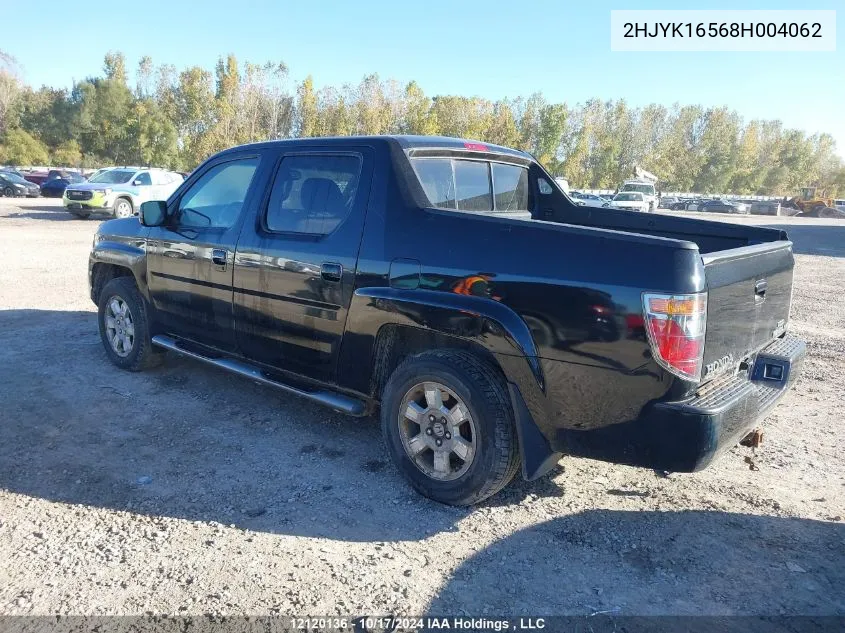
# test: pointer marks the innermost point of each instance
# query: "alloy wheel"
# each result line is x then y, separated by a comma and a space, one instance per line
437, 431
120, 329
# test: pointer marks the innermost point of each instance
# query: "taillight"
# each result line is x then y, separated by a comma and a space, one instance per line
675, 325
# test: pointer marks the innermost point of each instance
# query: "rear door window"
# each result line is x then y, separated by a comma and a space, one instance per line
313, 194
473, 185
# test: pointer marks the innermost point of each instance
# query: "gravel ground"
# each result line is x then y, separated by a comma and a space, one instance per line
186, 490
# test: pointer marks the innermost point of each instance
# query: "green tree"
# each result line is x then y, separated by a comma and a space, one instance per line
552, 123
307, 107
194, 100
718, 149
19, 148
419, 118
67, 154
155, 136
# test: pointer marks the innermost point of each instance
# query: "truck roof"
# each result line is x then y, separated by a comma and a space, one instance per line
405, 141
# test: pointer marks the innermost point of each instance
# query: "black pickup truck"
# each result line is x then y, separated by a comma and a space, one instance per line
454, 286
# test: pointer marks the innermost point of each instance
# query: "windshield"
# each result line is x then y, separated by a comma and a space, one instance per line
113, 176
629, 197
13, 178
642, 188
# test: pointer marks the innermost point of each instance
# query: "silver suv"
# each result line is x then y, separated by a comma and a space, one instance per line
119, 191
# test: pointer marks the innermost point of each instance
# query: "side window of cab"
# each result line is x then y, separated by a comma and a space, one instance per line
142, 179
215, 200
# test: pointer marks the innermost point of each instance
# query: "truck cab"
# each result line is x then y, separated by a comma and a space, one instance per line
645, 187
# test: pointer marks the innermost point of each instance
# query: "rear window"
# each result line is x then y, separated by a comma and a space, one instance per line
473, 185
643, 188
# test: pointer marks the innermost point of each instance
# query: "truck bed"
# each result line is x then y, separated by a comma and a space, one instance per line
710, 236
748, 272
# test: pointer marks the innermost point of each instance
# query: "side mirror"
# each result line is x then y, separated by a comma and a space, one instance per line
154, 213
137, 182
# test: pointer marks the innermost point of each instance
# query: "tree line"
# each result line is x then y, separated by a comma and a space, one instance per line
177, 118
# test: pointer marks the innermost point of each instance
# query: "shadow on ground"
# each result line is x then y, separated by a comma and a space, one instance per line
45, 213
191, 442
645, 562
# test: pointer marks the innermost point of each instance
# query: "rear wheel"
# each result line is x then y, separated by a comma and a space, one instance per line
123, 208
125, 327
449, 427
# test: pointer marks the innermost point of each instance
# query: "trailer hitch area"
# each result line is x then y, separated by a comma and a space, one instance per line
753, 439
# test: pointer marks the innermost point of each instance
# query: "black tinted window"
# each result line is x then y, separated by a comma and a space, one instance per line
143, 178
437, 181
510, 184
465, 184
472, 185
216, 199
313, 194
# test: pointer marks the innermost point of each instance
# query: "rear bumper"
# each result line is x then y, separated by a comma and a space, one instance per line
686, 436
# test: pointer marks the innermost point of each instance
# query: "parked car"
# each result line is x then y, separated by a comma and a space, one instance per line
11, 170
36, 177
55, 187
666, 202
589, 199
61, 173
307, 265
631, 200
721, 206
12, 186
687, 204
120, 191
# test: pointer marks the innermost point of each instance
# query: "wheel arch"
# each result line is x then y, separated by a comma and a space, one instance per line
387, 325
111, 259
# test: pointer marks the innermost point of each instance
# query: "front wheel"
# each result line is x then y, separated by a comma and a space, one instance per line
123, 208
125, 326
9, 192
449, 426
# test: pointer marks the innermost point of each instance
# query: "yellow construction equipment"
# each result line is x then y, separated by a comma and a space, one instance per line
808, 201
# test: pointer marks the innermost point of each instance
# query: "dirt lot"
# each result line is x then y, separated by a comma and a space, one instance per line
188, 490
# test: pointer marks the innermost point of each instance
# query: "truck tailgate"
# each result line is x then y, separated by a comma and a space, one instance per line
749, 294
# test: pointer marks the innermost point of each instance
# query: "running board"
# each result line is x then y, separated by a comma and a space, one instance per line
334, 400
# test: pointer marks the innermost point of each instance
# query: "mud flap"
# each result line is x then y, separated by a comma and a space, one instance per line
537, 456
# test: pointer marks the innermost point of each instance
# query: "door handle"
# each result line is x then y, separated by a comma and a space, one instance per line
331, 271
760, 288
218, 256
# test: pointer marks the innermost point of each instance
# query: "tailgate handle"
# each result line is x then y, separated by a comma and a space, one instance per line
331, 271
760, 290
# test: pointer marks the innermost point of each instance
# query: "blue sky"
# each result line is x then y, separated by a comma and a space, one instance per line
488, 48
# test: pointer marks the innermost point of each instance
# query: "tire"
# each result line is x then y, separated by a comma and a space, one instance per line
141, 354
483, 393
123, 208
9, 192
